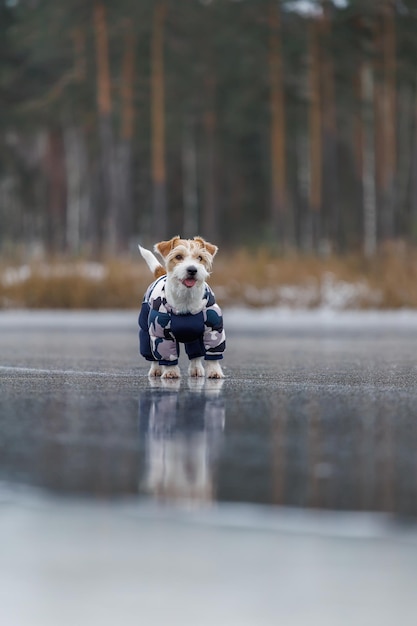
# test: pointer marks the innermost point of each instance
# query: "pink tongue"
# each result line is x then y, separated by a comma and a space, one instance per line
189, 282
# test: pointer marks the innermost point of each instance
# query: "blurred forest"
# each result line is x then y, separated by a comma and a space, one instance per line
289, 124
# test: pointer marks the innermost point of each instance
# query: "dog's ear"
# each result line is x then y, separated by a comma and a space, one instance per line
165, 247
211, 249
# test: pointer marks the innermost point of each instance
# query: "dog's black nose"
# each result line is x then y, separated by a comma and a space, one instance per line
191, 270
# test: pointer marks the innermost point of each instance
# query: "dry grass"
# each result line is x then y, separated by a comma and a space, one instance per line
65, 285
242, 278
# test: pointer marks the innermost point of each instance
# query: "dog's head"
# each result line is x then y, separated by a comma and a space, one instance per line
187, 261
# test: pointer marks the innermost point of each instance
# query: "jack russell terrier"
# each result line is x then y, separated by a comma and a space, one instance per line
179, 307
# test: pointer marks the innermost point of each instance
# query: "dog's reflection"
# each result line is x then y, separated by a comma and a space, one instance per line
182, 430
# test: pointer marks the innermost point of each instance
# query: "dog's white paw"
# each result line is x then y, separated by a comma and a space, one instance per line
196, 369
171, 371
214, 370
155, 370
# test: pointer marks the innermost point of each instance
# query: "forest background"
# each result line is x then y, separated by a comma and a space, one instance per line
283, 131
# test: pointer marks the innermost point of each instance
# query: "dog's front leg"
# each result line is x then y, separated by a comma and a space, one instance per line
214, 370
171, 371
196, 368
155, 370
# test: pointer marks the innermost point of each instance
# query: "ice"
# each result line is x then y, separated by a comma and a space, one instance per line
270, 318
236, 318
76, 562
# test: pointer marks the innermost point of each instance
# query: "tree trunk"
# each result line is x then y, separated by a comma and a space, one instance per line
368, 173
125, 146
189, 177
279, 216
405, 146
304, 221
355, 204
389, 116
315, 132
210, 205
413, 176
331, 204
80, 71
109, 182
56, 191
76, 161
160, 222
357, 124
78, 188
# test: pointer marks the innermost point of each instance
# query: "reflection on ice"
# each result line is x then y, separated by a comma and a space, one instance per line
182, 436
320, 413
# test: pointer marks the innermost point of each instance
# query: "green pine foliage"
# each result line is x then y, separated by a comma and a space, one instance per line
217, 104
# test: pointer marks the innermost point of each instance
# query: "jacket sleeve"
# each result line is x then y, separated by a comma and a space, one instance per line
163, 345
144, 339
214, 335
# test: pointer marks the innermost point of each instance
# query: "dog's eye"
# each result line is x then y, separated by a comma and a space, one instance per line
179, 257
199, 258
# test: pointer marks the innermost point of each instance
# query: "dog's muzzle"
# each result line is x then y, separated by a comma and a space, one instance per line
190, 280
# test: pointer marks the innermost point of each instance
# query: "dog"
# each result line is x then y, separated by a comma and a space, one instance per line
180, 307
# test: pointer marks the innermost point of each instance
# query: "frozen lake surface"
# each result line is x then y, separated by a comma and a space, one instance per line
285, 494
318, 410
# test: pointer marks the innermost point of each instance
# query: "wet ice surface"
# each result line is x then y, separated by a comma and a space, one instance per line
310, 415
316, 415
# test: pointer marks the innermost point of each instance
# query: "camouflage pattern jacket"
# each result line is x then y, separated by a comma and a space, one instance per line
161, 330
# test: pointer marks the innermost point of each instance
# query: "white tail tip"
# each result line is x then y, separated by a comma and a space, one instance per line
151, 261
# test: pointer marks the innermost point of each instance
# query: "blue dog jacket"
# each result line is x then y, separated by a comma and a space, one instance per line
161, 329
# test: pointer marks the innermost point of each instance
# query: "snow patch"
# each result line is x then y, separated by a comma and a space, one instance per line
311, 7
326, 293
17, 275
338, 294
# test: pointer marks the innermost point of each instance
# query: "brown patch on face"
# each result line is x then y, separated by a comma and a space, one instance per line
201, 253
177, 254
212, 249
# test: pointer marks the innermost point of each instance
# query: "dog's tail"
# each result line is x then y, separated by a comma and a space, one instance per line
152, 262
